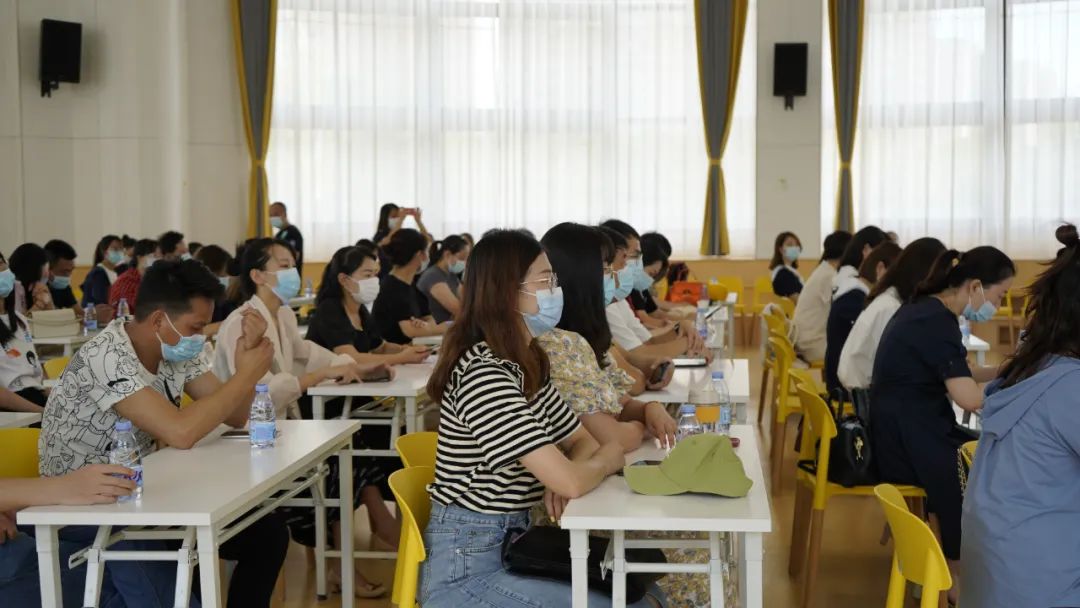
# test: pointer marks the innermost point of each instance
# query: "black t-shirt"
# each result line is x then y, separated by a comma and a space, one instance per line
291, 235
643, 301
785, 282
842, 315
330, 328
63, 298
398, 301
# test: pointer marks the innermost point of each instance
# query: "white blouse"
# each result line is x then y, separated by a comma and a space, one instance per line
856, 367
293, 355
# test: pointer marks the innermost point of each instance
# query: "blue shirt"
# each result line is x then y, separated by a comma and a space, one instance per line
1022, 508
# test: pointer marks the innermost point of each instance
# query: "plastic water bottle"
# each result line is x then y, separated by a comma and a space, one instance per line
123, 311
125, 452
720, 386
89, 320
701, 323
309, 290
262, 422
688, 422
965, 329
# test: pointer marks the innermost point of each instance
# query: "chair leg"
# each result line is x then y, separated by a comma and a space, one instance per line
817, 520
779, 431
800, 521
897, 587
763, 394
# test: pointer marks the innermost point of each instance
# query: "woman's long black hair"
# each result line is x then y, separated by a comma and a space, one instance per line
910, 268
577, 257
345, 261
987, 264
384, 218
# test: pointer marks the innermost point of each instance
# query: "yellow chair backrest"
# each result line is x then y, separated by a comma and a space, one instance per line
763, 291
418, 449
967, 452
917, 556
732, 284
717, 291
19, 453
409, 486
55, 367
818, 432
787, 305
785, 358
776, 322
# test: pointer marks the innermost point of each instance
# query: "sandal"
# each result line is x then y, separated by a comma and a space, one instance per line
365, 591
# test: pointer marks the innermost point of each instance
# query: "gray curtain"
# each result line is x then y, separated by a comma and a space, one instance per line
254, 25
720, 27
845, 37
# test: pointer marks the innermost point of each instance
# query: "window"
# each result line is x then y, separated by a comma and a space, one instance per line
489, 113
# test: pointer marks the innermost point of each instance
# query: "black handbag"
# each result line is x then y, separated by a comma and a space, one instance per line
544, 552
851, 460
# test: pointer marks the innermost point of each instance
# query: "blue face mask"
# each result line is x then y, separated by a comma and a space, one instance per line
7, 282
983, 314
61, 282
457, 267
288, 284
224, 282
550, 302
186, 349
115, 256
185, 257
626, 283
792, 252
642, 280
609, 288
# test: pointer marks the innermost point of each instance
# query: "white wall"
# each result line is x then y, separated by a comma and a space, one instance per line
789, 142
151, 139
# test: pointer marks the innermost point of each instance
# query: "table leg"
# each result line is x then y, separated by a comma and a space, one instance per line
579, 555
752, 582
95, 568
411, 425
68, 350
346, 485
980, 358
318, 407
48, 553
716, 572
618, 579
319, 493
209, 567
184, 567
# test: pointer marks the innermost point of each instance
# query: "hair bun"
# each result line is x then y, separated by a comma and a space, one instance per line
1067, 235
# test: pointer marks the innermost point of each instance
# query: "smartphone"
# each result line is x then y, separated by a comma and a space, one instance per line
642, 463
689, 362
377, 376
659, 373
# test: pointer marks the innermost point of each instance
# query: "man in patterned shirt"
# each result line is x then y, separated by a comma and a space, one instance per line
138, 371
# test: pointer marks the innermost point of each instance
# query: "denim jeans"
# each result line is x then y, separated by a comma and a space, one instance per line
464, 566
20, 586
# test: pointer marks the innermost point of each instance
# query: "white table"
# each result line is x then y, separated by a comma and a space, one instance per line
70, 343
14, 420
208, 491
736, 375
428, 341
613, 506
975, 344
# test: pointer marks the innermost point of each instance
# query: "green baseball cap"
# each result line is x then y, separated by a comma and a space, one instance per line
703, 463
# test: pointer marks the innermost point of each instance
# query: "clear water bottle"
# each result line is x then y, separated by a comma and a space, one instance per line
965, 329
688, 422
125, 452
720, 386
309, 289
701, 323
123, 311
89, 320
262, 422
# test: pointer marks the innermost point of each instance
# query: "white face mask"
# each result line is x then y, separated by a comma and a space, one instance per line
366, 291
394, 223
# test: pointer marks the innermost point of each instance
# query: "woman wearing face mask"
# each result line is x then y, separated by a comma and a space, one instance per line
126, 287
517, 443
109, 258
441, 282
268, 280
30, 264
398, 312
21, 379
921, 369
784, 266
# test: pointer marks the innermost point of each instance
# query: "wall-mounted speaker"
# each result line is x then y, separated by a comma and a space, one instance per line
61, 54
789, 71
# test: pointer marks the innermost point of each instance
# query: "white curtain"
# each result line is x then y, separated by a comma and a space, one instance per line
969, 122
492, 113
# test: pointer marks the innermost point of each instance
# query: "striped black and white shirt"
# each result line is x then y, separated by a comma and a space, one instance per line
486, 426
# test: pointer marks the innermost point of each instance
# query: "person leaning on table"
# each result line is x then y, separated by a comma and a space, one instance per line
138, 371
506, 438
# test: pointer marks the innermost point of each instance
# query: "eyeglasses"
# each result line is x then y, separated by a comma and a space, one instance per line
552, 281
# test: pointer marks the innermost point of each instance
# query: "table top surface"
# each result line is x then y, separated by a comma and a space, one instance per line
64, 340
12, 420
736, 374
207, 484
428, 340
409, 381
613, 506
976, 344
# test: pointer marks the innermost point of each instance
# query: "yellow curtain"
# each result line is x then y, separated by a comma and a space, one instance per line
254, 32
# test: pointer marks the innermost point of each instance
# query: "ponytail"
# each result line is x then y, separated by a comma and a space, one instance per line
453, 243
952, 269
938, 279
435, 252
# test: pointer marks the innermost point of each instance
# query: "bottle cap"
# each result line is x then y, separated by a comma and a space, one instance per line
687, 408
262, 388
123, 425
718, 375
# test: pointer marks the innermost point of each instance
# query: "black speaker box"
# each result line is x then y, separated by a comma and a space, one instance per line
61, 53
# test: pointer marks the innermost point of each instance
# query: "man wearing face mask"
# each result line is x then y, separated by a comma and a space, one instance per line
138, 371
61, 262
279, 220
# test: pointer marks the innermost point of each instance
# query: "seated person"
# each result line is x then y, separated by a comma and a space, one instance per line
862, 243
31, 267
441, 282
20, 370
138, 371
670, 310
61, 262
812, 309
786, 280
145, 253
20, 585
639, 280
397, 310
173, 246
109, 261
221, 264
579, 348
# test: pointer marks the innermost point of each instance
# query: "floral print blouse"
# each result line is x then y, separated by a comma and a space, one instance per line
583, 384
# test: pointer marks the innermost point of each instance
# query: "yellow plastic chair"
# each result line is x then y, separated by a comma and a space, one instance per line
55, 367
777, 325
785, 402
19, 453
787, 305
717, 292
733, 284
813, 488
417, 449
409, 486
917, 556
967, 452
